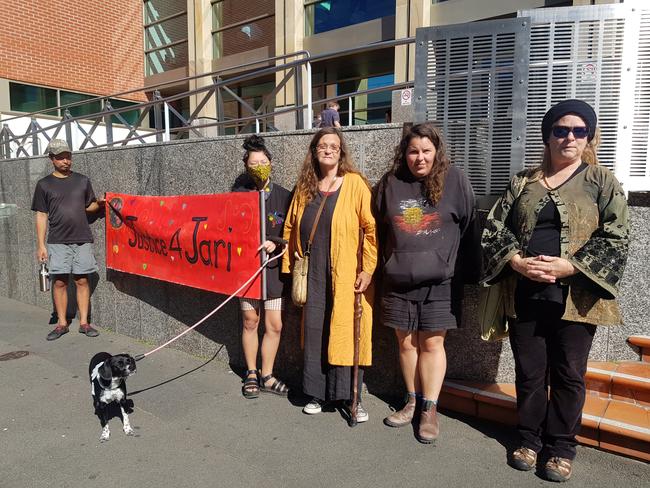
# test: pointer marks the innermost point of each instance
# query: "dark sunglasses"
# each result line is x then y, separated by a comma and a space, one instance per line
561, 131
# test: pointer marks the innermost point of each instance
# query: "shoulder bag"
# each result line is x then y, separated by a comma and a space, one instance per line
495, 303
301, 264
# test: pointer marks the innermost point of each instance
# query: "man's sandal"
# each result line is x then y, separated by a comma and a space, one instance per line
277, 388
251, 388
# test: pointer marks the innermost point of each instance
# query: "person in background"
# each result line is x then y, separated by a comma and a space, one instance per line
563, 228
61, 201
330, 116
423, 206
329, 177
257, 163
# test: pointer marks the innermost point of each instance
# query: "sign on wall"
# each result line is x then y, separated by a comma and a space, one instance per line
203, 241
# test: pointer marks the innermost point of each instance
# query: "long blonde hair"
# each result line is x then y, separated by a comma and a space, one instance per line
310, 175
589, 156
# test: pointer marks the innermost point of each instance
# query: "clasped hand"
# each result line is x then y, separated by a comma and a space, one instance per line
545, 269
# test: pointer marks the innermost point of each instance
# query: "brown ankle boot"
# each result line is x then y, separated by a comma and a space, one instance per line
429, 427
404, 416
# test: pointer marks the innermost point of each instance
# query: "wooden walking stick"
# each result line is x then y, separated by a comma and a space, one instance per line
358, 312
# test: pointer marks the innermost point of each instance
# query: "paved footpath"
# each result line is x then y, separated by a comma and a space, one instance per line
195, 429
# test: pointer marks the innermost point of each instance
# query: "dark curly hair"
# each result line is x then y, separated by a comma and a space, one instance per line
255, 143
434, 181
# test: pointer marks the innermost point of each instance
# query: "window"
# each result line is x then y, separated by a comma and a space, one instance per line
371, 108
28, 98
239, 26
165, 35
82, 109
327, 15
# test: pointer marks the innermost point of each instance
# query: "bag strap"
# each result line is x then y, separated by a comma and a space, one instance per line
318, 214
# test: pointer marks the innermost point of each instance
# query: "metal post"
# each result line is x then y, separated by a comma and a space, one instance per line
257, 126
221, 117
350, 111
157, 116
108, 122
68, 128
4, 140
167, 137
35, 148
310, 108
300, 114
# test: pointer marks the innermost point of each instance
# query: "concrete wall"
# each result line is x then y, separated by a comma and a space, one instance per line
154, 311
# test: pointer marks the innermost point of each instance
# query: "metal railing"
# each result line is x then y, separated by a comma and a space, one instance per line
160, 121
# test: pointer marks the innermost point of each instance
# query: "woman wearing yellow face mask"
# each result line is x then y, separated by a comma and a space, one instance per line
257, 161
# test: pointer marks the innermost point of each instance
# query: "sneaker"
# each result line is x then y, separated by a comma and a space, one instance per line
57, 332
523, 459
313, 407
557, 469
88, 330
362, 413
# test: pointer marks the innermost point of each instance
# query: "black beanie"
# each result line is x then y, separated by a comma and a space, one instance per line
573, 106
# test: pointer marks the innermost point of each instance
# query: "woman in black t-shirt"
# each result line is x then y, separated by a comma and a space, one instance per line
257, 161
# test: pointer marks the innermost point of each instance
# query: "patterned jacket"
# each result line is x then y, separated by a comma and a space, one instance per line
594, 237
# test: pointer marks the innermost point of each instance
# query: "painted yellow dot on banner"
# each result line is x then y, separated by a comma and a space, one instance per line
205, 226
162, 202
238, 251
144, 266
116, 248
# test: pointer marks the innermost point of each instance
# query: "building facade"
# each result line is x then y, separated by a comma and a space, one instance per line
59, 52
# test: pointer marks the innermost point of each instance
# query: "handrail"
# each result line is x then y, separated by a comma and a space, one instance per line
151, 110
151, 88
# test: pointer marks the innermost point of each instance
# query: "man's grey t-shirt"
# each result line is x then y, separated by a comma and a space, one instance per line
328, 117
64, 200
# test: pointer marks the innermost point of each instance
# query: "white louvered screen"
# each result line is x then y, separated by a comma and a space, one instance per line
600, 54
468, 77
640, 147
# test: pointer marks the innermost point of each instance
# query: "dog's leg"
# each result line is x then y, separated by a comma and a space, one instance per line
126, 425
106, 433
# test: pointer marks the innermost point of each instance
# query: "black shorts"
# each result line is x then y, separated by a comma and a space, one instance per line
428, 315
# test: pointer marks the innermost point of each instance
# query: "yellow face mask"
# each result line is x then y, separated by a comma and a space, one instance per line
259, 173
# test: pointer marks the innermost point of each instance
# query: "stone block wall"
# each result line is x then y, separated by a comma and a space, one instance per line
155, 311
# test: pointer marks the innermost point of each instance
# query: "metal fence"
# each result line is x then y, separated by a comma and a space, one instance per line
488, 85
159, 120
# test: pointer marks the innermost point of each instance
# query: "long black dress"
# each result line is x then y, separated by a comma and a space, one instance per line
320, 379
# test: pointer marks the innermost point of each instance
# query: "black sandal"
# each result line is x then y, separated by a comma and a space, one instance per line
277, 388
251, 388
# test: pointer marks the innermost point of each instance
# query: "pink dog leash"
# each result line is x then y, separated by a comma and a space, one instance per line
248, 282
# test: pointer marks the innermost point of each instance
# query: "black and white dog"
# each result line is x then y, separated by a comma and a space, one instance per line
107, 379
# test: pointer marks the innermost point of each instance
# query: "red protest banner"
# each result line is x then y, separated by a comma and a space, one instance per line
204, 241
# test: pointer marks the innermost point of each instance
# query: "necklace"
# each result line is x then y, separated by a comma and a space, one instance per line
548, 186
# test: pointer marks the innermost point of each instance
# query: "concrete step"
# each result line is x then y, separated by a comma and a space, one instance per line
619, 426
642, 343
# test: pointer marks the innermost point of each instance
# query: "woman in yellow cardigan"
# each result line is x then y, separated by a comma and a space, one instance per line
329, 174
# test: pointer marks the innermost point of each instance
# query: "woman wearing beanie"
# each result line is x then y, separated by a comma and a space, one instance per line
257, 162
563, 229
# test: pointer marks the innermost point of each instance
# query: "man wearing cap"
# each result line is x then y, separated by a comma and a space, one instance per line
62, 200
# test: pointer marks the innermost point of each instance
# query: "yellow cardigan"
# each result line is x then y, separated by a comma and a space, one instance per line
353, 210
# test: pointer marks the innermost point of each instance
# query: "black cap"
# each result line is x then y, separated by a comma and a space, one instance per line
573, 106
